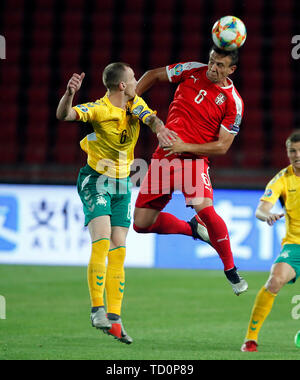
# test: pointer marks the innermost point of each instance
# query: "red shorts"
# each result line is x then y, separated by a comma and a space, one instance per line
168, 174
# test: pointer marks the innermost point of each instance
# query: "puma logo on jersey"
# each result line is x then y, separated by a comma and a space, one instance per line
195, 79
220, 240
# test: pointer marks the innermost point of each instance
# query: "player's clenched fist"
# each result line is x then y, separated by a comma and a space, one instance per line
74, 83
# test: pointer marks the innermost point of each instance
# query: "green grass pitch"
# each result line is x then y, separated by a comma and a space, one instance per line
171, 314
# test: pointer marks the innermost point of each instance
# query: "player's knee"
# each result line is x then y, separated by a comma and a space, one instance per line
275, 283
139, 229
141, 226
137, 221
142, 221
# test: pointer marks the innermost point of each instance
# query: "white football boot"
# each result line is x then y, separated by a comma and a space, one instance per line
199, 230
239, 285
100, 320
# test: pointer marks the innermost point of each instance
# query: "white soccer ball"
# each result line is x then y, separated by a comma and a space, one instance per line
229, 33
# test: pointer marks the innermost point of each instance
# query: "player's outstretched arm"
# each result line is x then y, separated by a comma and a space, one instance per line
214, 148
64, 110
150, 78
263, 213
164, 135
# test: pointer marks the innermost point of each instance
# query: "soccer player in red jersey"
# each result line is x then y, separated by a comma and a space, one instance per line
205, 113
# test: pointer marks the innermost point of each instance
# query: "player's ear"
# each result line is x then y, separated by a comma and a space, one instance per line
122, 86
232, 69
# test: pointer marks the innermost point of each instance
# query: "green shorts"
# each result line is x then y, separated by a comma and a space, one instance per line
102, 195
290, 254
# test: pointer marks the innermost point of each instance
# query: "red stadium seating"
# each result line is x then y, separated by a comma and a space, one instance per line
225, 161
35, 150
175, 33
67, 143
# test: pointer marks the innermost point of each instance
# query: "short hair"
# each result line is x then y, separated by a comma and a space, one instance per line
233, 54
293, 138
113, 74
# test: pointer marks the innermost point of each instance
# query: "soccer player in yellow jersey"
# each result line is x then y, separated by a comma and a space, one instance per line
104, 185
286, 268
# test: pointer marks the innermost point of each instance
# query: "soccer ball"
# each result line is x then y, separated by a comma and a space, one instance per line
229, 33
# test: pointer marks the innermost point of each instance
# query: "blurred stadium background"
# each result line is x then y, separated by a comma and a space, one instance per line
49, 40
46, 41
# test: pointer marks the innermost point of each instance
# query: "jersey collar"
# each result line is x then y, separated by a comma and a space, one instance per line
129, 103
229, 86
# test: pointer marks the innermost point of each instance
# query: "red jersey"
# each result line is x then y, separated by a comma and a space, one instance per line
200, 107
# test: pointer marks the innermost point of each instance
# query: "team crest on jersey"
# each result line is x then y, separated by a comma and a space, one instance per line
220, 99
101, 201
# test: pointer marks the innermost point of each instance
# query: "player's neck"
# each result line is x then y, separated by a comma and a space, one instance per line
296, 171
118, 99
224, 83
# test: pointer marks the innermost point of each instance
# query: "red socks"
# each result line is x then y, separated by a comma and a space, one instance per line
218, 235
167, 224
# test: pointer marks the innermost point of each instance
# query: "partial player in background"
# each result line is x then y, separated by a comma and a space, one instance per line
104, 185
286, 268
206, 114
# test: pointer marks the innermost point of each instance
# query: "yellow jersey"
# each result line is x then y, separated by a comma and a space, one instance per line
286, 187
110, 148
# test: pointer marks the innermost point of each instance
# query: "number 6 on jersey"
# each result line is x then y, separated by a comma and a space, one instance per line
198, 99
